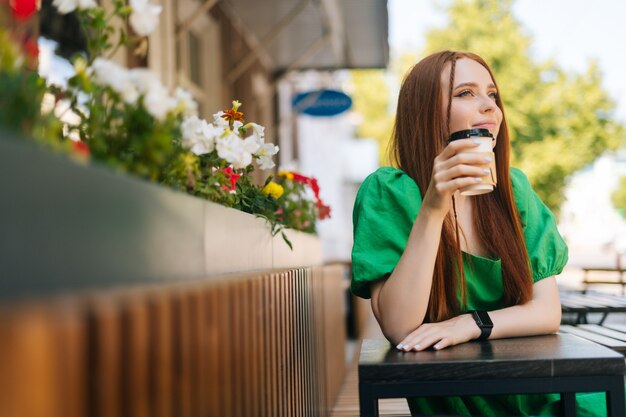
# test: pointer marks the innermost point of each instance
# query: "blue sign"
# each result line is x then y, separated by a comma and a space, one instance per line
322, 103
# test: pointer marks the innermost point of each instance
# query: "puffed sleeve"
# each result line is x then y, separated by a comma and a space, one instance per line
546, 248
384, 211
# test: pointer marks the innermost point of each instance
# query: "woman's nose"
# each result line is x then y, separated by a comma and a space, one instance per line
487, 104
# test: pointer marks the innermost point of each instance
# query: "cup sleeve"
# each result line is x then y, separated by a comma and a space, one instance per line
546, 247
384, 211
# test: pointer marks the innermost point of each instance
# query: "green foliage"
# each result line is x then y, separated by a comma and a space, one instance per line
124, 135
559, 122
619, 197
101, 37
371, 98
21, 94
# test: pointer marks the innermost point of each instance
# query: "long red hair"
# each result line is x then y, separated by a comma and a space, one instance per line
420, 134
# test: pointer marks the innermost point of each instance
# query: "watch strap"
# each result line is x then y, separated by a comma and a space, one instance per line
485, 327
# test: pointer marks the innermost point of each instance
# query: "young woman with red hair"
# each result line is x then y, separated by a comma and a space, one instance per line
439, 266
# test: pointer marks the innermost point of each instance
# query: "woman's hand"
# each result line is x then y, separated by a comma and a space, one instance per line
450, 332
453, 168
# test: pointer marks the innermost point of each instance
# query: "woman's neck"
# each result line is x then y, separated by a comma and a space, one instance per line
469, 240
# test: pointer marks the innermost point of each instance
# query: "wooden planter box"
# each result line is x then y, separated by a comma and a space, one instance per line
65, 226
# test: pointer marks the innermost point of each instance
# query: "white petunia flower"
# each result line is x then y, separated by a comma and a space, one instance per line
258, 132
145, 80
250, 145
264, 155
232, 149
107, 73
129, 93
186, 102
218, 120
145, 16
199, 136
158, 103
68, 6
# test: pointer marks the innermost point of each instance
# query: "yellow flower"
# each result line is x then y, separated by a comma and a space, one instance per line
273, 190
286, 174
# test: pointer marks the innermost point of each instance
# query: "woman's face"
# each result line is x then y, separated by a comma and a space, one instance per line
473, 98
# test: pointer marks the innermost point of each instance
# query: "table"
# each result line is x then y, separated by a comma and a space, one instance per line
581, 304
560, 363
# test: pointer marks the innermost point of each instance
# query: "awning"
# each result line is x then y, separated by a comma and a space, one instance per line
314, 34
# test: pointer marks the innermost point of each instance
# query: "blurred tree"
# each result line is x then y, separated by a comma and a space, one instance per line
619, 197
559, 122
371, 98
374, 98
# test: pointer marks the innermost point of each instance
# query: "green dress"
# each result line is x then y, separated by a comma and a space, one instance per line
386, 206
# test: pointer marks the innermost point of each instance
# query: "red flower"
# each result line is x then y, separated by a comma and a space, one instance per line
232, 177
300, 178
31, 48
81, 148
23, 9
316, 188
323, 211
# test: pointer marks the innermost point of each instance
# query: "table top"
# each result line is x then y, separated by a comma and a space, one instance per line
592, 302
523, 357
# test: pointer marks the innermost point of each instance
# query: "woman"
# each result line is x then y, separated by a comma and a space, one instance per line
427, 256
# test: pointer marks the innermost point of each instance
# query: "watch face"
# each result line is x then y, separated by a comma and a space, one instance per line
484, 318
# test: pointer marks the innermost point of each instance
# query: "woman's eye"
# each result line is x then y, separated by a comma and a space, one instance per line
493, 95
464, 93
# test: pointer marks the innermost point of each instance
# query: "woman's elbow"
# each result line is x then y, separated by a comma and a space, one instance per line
395, 329
396, 333
554, 319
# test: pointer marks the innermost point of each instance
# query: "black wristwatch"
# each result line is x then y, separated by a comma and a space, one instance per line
484, 322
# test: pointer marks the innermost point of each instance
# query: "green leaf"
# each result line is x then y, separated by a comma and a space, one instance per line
287, 241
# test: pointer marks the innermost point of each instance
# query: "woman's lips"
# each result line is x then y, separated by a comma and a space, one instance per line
485, 126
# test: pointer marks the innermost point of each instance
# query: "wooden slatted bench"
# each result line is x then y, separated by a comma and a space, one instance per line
581, 304
610, 335
560, 363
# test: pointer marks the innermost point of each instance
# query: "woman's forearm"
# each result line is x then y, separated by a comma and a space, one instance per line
541, 315
403, 297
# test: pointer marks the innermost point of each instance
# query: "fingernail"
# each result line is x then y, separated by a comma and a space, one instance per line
476, 142
407, 347
478, 179
436, 346
487, 159
400, 346
416, 346
486, 170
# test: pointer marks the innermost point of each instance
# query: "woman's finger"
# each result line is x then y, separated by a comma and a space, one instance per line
466, 158
449, 187
458, 171
416, 342
457, 146
409, 341
427, 342
443, 343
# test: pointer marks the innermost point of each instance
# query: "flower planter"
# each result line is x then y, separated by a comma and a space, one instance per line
66, 227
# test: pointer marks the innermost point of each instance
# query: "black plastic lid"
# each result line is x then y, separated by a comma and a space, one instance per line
471, 133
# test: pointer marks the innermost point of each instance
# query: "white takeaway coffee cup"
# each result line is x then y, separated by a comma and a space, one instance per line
485, 138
